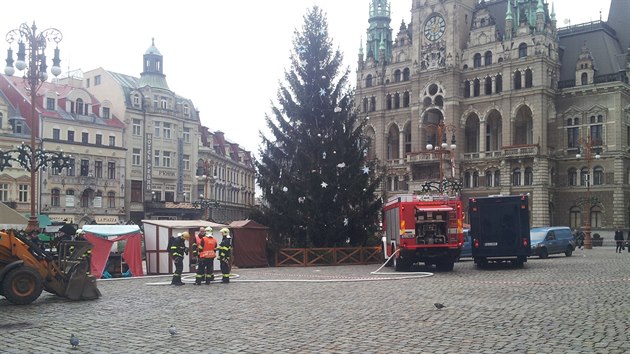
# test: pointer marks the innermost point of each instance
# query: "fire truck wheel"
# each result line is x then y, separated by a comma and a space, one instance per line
445, 266
401, 265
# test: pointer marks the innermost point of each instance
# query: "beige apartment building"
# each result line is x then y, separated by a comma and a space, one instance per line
532, 108
164, 142
74, 122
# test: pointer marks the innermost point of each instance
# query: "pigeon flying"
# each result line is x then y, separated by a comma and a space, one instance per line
74, 341
172, 330
439, 306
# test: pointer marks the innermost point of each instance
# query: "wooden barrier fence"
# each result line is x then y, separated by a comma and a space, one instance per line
308, 257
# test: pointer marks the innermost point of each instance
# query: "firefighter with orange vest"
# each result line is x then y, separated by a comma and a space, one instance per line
225, 255
206, 249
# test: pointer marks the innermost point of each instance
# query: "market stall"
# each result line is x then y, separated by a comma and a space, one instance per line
103, 237
156, 234
250, 243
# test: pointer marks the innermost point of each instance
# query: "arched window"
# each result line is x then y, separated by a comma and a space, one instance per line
598, 176
397, 100
477, 60
111, 199
466, 89
406, 99
522, 50
572, 176
372, 104
575, 217
497, 178
467, 180
79, 109
529, 80
476, 88
529, 176
475, 181
406, 74
596, 217
488, 178
516, 176
55, 197
365, 105
388, 101
368, 81
407, 137
397, 76
584, 176
487, 58
584, 78
488, 86
498, 84
517, 80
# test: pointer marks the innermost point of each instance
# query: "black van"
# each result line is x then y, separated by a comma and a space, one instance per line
499, 228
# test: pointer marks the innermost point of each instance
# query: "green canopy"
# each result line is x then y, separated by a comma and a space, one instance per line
42, 219
45, 237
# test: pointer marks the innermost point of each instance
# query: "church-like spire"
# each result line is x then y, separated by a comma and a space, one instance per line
540, 8
379, 29
153, 69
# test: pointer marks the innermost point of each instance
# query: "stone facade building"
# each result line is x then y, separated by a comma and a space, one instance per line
532, 108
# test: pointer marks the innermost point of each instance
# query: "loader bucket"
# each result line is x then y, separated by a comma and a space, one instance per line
81, 284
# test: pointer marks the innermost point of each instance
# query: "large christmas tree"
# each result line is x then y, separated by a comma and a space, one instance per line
318, 187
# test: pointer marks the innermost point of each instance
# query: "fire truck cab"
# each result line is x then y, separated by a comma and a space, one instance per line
423, 228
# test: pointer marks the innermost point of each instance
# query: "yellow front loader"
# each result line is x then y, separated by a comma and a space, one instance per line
26, 270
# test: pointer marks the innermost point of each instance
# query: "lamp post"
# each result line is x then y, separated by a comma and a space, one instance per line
442, 149
31, 58
586, 145
204, 173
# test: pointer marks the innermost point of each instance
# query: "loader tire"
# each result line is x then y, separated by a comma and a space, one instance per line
22, 285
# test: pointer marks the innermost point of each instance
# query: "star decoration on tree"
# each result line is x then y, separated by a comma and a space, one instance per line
366, 170
322, 92
324, 184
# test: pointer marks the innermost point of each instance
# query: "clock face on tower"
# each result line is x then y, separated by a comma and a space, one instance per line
434, 28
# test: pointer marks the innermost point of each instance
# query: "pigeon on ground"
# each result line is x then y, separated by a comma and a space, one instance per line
439, 306
172, 330
74, 341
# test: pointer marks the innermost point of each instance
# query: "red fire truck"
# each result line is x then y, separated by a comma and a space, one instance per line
423, 228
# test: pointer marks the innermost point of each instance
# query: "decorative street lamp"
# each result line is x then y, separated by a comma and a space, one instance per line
205, 203
31, 58
443, 184
587, 145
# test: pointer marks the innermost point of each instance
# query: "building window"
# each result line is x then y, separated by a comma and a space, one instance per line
79, 106
406, 74
186, 162
4, 192
69, 198
70, 135
136, 100
156, 129
186, 110
112, 141
136, 191
167, 130
156, 158
522, 50
106, 112
488, 86
529, 176
584, 79
85, 199
85, 137
488, 178
166, 159
23, 193
575, 217
99, 139
163, 103
98, 169
111, 199
584, 176
372, 104
55, 197
388, 101
516, 177
497, 178
50, 104
596, 134
573, 135
572, 175
136, 128
498, 84
487, 58
466, 89
475, 181
56, 134
517, 80
111, 170
406, 99
368, 81
187, 135
71, 167
397, 76
85, 168
97, 80
476, 87
135, 157
477, 60
529, 79
598, 176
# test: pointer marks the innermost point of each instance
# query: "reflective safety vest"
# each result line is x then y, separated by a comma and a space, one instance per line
207, 247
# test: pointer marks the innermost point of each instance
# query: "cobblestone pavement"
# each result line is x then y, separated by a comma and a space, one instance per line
575, 304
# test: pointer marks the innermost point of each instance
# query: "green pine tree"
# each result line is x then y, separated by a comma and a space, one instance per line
318, 187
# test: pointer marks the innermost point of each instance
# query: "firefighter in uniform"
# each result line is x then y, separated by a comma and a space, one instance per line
177, 248
206, 248
225, 255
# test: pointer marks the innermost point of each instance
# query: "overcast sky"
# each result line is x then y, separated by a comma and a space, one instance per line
227, 56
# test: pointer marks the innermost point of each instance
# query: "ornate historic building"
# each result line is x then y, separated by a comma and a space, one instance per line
530, 107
